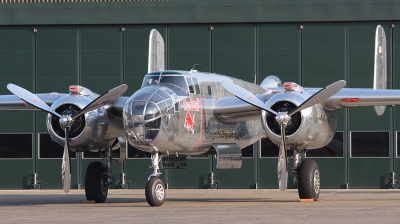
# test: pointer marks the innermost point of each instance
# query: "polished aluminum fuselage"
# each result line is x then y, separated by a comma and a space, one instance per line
215, 116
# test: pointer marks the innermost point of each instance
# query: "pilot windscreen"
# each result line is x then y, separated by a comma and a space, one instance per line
176, 83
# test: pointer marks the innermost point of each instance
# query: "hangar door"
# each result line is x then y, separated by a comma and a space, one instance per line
17, 154
371, 139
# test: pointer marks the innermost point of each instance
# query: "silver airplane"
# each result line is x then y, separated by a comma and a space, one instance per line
177, 114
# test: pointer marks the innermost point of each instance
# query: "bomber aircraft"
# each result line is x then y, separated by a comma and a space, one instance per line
170, 118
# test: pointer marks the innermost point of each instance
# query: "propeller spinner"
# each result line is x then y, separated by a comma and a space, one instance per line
66, 120
283, 118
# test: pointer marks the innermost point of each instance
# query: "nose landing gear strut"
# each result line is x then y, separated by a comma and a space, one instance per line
155, 188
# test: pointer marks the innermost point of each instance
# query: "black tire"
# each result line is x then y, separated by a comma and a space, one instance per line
155, 192
95, 190
308, 180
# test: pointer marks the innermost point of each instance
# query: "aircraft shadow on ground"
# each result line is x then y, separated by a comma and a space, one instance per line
43, 199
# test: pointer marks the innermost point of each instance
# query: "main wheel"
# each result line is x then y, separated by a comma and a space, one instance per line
308, 180
95, 189
155, 192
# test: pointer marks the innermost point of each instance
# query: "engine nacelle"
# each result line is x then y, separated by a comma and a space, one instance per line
311, 128
94, 130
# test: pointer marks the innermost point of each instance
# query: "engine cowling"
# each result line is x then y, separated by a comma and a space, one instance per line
311, 128
94, 130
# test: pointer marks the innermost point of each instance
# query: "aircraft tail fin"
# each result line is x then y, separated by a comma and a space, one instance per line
156, 52
380, 65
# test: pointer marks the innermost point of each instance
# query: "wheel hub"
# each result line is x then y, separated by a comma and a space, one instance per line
159, 190
316, 181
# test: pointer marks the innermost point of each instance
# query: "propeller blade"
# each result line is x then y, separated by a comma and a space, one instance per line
102, 100
66, 164
30, 98
245, 95
282, 166
320, 96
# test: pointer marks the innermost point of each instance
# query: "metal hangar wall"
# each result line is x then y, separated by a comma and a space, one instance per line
45, 46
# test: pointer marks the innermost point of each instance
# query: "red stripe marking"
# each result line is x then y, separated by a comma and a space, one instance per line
201, 124
350, 100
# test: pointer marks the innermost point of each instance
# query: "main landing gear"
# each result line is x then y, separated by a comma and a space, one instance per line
98, 179
306, 175
155, 189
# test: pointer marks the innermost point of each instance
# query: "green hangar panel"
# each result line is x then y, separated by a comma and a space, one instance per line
18, 155
46, 47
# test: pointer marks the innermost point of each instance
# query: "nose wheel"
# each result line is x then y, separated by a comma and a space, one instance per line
155, 192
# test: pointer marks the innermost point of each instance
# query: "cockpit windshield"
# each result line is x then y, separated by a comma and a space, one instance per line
174, 81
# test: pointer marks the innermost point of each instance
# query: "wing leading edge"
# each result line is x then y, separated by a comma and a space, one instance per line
358, 97
12, 102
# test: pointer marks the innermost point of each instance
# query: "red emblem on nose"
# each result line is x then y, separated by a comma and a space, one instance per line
189, 122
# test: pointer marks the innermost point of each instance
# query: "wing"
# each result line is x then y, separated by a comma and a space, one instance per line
233, 109
358, 97
117, 107
12, 102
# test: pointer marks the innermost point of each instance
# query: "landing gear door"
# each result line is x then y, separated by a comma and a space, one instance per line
229, 156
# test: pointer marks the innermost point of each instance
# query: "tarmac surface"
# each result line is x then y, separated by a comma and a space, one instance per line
202, 206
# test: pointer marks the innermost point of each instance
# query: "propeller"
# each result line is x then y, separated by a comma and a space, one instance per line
282, 166
283, 118
67, 120
66, 164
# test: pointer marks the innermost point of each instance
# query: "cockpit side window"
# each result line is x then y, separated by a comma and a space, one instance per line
191, 86
209, 90
196, 85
